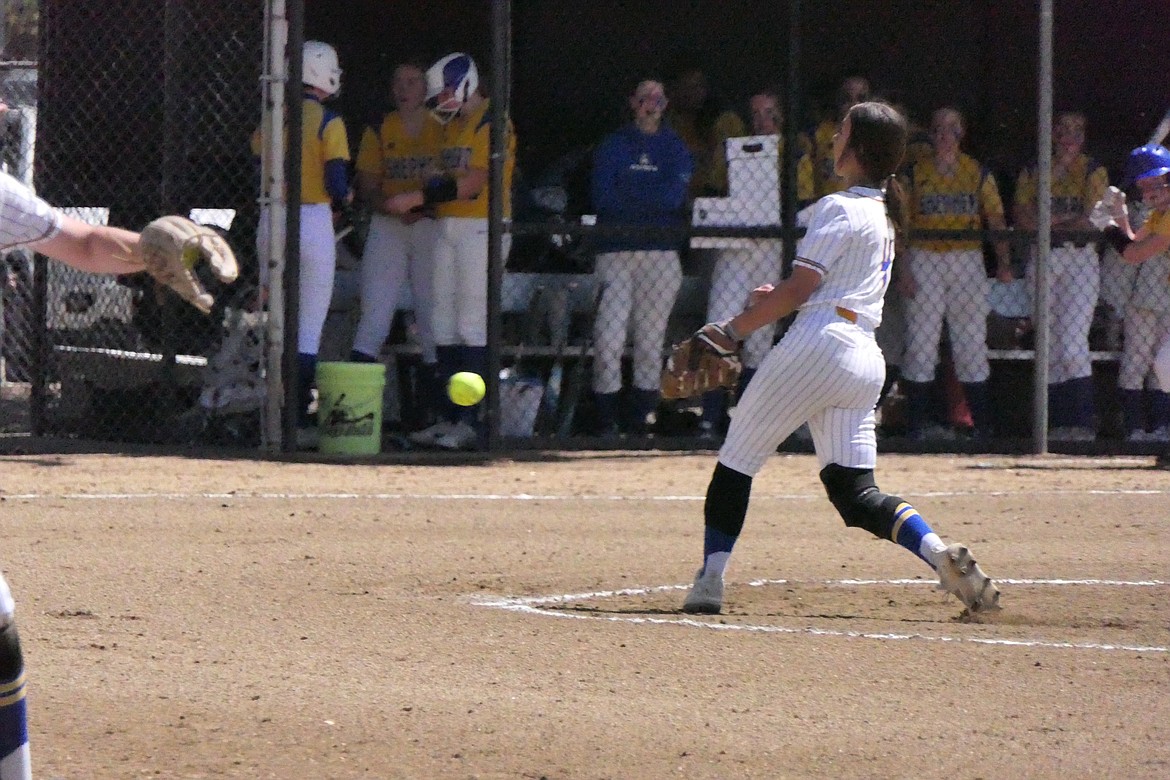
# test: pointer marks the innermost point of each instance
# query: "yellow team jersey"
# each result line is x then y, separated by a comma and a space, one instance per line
806, 187
323, 138
1074, 190
825, 181
708, 151
466, 142
1159, 223
956, 201
400, 162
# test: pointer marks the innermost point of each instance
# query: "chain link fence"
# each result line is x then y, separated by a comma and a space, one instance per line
132, 111
146, 108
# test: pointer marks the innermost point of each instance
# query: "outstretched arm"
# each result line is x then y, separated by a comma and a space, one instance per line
93, 248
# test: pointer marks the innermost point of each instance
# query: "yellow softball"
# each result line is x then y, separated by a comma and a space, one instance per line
466, 388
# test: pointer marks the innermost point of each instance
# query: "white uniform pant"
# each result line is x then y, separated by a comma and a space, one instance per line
461, 281
396, 254
318, 263
1146, 332
1075, 281
737, 272
640, 288
826, 371
951, 286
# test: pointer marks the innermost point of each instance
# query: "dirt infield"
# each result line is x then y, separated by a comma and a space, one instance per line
198, 618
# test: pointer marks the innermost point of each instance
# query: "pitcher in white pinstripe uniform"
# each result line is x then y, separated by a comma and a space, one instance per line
828, 370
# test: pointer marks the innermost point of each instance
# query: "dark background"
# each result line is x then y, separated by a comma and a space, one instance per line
105, 126
574, 60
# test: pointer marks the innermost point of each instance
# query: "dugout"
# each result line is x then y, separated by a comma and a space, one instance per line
145, 106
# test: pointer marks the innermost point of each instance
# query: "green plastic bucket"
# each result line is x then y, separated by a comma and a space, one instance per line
349, 407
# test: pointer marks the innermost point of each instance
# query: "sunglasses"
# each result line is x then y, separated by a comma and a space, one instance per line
653, 101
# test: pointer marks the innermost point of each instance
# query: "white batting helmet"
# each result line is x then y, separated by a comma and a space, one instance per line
320, 67
450, 82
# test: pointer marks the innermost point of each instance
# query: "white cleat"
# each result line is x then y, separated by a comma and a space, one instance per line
959, 574
461, 436
706, 596
428, 436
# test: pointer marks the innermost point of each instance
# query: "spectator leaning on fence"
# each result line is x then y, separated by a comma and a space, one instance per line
640, 178
944, 280
324, 189
397, 155
1078, 182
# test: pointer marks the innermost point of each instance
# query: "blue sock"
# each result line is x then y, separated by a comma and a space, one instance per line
716, 549
910, 529
13, 717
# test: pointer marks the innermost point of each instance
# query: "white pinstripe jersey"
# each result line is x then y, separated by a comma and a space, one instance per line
850, 242
24, 218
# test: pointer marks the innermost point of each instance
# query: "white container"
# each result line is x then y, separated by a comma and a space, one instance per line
519, 403
753, 168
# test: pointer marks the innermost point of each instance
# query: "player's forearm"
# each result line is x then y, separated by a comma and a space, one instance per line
771, 307
1144, 247
95, 249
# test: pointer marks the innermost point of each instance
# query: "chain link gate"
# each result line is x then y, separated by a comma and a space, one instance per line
144, 108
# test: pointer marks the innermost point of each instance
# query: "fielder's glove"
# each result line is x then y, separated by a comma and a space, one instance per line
707, 360
1110, 211
171, 247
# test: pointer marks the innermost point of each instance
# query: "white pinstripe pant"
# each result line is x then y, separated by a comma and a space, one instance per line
827, 372
1075, 279
1146, 333
640, 290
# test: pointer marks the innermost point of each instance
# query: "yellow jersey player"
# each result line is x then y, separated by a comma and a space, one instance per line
694, 114
397, 156
946, 279
853, 90
1078, 182
1147, 318
324, 184
459, 195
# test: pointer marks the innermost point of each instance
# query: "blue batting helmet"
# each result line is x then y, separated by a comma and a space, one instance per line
450, 82
1147, 161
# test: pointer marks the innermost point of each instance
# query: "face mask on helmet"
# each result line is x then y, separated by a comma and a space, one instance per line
320, 67
450, 82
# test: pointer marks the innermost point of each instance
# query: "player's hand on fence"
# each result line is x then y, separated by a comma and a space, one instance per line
1111, 210
707, 360
170, 248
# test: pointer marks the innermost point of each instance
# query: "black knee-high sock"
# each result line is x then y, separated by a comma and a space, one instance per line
723, 515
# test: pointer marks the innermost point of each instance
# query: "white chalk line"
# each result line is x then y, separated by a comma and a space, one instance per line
538, 605
536, 497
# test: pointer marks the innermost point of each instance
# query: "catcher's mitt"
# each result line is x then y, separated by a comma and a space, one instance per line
702, 362
171, 247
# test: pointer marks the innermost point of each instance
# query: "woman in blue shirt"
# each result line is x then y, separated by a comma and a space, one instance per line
641, 175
